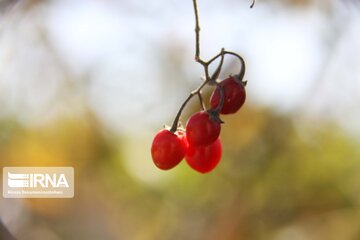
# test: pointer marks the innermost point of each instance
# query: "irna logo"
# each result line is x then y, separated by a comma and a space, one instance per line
18, 180
38, 182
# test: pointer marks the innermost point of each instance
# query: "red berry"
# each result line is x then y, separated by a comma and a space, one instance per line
234, 96
201, 129
168, 149
204, 158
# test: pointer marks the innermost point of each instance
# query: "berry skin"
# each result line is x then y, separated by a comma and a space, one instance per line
204, 158
201, 129
168, 149
234, 96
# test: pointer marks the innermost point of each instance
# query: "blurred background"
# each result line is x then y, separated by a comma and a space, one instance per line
89, 83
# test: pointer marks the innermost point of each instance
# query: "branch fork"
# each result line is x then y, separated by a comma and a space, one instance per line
209, 80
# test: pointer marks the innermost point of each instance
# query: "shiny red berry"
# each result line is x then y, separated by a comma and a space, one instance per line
168, 149
204, 158
202, 129
234, 96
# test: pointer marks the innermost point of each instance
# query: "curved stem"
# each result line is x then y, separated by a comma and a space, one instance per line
214, 58
242, 62
207, 76
208, 79
222, 98
253, 3
201, 100
218, 69
177, 118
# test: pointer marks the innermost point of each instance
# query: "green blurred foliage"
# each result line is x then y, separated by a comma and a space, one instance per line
281, 177
275, 175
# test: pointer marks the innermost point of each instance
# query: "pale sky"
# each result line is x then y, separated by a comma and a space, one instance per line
119, 45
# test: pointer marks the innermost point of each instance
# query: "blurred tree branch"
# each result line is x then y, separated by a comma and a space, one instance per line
4, 233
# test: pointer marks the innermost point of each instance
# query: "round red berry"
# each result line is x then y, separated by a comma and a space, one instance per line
168, 149
202, 129
234, 96
204, 158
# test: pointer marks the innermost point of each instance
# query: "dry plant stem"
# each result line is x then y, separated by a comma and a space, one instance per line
242, 63
222, 98
197, 35
203, 63
216, 74
208, 79
203, 107
253, 3
193, 93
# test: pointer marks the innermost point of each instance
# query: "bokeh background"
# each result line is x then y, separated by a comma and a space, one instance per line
88, 84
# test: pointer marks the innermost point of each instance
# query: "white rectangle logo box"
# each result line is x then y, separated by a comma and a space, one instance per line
38, 182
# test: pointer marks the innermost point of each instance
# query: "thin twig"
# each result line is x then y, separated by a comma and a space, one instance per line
222, 98
207, 79
177, 118
253, 3
242, 62
216, 74
202, 104
197, 32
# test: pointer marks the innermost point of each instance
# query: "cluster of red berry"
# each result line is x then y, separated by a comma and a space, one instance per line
200, 143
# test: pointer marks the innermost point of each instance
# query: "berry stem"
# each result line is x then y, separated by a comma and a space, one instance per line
203, 107
222, 98
193, 93
253, 3
216, 74
205, 65
241, 74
